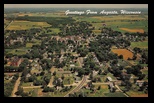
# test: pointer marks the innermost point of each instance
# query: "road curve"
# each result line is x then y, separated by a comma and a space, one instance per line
78, 87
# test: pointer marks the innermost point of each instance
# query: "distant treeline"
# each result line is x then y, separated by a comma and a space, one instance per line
54, 21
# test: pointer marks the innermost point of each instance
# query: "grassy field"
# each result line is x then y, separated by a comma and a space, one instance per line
6, 22
54, 30
23, 25
116, 94
143, 44
26, 84
29, 45
120, 17
19, 51
145, 71
36, 42
137, 94
126, 54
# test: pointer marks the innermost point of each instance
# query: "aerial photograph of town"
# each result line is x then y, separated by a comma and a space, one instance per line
75, 50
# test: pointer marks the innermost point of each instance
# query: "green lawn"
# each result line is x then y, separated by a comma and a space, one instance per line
34, 92
29, 45
17, 51
145, 71
28, 89
26, 84
66, 81
139, 44
55, 30
116, 94
39, 77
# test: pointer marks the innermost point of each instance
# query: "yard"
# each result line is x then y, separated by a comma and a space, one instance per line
68, 80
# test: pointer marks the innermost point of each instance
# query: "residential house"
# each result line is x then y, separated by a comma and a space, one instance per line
139, 83
16, 61
109, 79
28, 75
111, 86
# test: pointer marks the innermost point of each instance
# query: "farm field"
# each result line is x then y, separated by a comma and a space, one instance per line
23, 25
59, 14
123, 23
133, 30
143, 44
126, 54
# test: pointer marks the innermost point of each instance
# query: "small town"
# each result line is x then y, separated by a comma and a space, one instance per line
56, 55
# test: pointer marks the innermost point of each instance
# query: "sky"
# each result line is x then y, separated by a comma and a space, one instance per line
75, 5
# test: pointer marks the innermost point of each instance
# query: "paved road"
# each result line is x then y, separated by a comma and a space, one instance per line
121, 90
78, 87
15, 89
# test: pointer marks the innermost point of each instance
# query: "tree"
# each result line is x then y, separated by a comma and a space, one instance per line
81, 72
62, 77
54, 73
46, 89
37, 82
20, 91
99, 87
120, 56
100, 72
141, 76
91, 76
42, 73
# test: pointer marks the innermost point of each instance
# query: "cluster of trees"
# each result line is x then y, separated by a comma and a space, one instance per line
11, 69
76, 28
136, 70
58, 82
21, 92
54, 21
101, 48
137, 34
